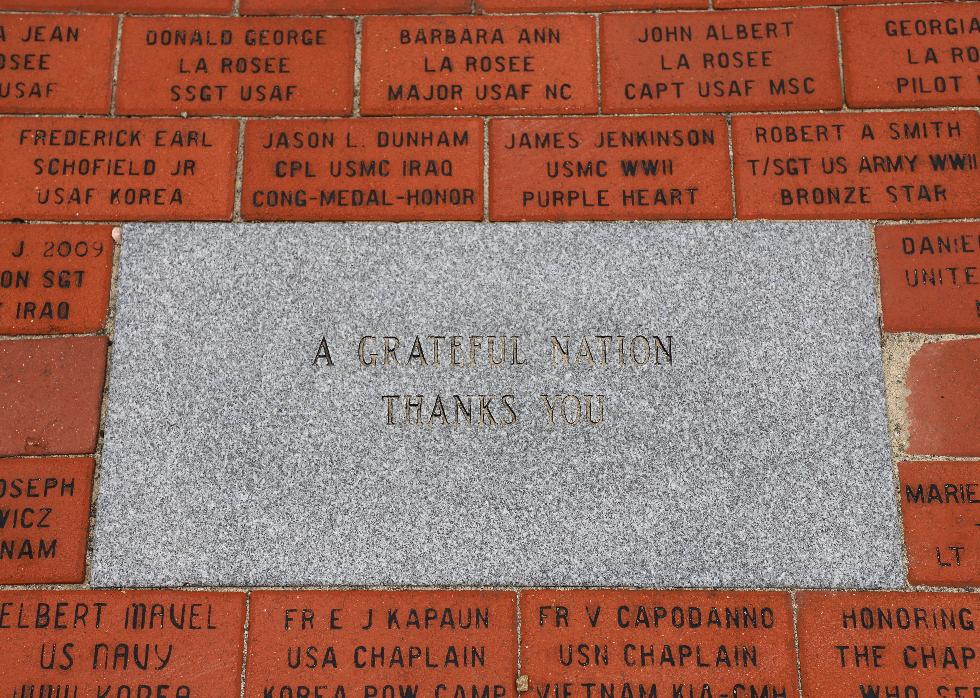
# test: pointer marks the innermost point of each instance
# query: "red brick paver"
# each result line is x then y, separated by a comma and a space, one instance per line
478, 65
44, 513
56, 63
129, 6
930, 277
252, 66
878, 644
54, 279
586, 5
941, 511
354, 169
588, 643
352, 7
944, 399
50, 395
114, 169
609, 168
857, 165
122, 643
720, 61
915, 56
379, 644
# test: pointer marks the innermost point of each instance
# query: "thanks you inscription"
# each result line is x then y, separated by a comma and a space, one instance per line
480, 353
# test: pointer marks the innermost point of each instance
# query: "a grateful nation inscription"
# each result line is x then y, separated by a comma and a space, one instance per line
655, 404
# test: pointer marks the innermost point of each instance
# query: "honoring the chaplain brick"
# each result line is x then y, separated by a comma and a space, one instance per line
121, 644
479, 65
609, 168
650, 644
930, 277
51, 395
910, 645
352, 7
857, 165
275, 67
44, 513
382, 644
941, 513
54, 279
56, 64
372, 169
109, 169
918, 56
527, 404
720, 61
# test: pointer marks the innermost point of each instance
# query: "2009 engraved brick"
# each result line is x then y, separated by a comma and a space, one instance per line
127, 6
720, 61
944, 399
56, 64
941, 511
585, 5
857, 165
930, 277
119, 644
51, 395
379, 644
277, 67
478, 65
364, 169
54, 279
916, 56
888, 643
117, 169
609, 168
44, 513
352, 7
623, 643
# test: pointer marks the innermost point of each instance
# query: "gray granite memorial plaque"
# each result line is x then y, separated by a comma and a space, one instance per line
617, 404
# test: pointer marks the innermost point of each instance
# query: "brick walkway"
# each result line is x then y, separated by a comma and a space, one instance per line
490, 110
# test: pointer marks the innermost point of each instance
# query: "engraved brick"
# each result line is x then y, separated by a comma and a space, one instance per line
370, 169
658, 643
165, 644
888, 643
56, 64
377, 644
44, 514
250, 66
127, 6
720, 61
352, 7
726, 4
51, 395
54, 279
941, 511
944, 399
479, 65
117, 169
930, 277
586, 5
853, 165
917, 56
609, 168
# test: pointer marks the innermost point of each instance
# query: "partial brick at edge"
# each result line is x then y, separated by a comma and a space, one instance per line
944, 399
127, 6
857, 165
